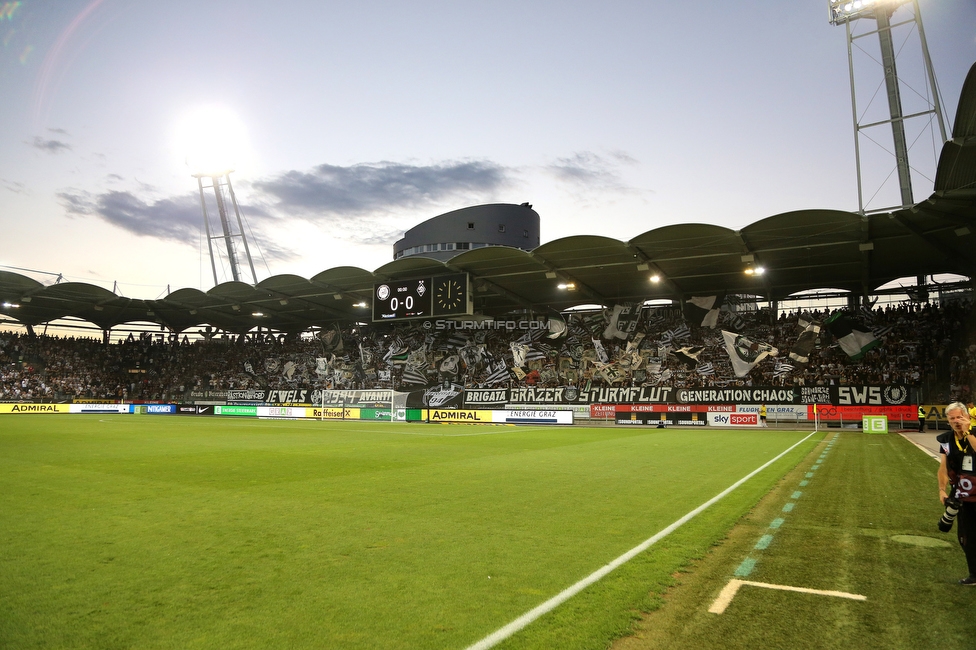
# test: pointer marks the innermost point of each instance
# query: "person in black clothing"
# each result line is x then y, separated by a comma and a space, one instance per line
957, 476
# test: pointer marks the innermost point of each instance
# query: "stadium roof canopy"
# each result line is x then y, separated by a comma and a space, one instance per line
802, 250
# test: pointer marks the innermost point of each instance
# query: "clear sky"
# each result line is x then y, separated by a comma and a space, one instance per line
354, 121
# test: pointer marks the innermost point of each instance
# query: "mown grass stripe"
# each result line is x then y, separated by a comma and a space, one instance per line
508, 630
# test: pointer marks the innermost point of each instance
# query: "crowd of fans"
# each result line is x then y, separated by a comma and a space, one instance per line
920, 344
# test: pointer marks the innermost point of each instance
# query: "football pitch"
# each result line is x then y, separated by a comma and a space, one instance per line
170, 532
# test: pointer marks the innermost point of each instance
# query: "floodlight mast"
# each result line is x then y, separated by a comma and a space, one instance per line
847, 11
228, 235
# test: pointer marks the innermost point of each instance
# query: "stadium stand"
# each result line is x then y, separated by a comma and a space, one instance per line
926, 346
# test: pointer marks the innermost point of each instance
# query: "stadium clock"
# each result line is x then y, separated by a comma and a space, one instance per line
451, 295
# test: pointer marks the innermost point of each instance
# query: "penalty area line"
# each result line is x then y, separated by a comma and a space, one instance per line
522, 621
729, 591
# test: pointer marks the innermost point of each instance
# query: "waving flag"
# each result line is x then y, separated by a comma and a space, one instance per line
853, 338
703, 310
745, 353
809, 330
706, 369
689, 355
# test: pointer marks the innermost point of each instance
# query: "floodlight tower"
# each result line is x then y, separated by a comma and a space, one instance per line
225, 242
848, 12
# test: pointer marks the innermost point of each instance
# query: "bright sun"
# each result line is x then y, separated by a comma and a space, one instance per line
211, 140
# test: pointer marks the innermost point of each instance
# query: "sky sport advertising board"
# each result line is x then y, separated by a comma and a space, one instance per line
733, 419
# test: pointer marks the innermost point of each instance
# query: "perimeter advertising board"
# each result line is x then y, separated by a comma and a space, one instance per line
460, 415
733, 419
101, 408
35, 408
855, 413
526, 416
334, 413
245, 411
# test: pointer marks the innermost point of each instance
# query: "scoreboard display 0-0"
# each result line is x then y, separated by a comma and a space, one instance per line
402, 299
445, 295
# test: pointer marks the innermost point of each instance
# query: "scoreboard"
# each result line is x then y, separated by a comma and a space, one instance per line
444, 295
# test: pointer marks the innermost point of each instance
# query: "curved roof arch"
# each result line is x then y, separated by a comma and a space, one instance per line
799, 250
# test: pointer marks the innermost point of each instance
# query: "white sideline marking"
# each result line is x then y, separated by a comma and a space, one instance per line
928, 452
728, 593
503, 633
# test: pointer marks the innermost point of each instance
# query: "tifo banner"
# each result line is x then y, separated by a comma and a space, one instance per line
202, 395
454, 396
474, 397
375, 398
248, 395
442, 396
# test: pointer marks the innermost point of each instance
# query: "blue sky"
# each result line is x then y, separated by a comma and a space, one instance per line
359, 120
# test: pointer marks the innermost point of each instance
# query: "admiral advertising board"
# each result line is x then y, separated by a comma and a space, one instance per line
35, 408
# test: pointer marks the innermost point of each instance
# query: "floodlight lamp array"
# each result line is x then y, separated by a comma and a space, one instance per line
843, 11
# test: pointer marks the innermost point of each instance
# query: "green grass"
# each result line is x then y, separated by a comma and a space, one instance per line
841, 535
170, 532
